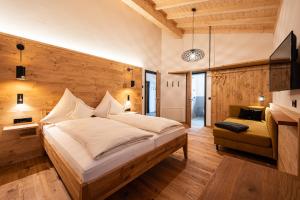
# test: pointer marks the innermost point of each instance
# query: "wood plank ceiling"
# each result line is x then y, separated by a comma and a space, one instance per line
225, 16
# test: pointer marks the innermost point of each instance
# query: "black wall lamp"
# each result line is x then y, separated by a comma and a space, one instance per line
20, 99
132, 82
20, 69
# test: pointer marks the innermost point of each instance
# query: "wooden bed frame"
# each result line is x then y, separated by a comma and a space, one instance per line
105, 185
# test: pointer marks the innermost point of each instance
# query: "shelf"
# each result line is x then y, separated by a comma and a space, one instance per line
283, 119
20, 127
225, 67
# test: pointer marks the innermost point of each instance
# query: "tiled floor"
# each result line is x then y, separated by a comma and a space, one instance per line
151, 114
198, 122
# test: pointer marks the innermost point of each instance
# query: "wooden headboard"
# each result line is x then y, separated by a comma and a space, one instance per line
50, 69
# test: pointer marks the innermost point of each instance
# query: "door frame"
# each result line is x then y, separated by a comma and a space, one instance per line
145, 80
205, 93
188, 100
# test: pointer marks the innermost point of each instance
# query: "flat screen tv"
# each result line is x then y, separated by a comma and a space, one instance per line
284, 67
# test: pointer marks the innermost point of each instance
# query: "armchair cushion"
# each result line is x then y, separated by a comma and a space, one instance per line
251, 114
234, 110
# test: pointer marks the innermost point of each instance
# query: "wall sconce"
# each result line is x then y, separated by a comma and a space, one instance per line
127, 105
20, 99
20, 69
261, 98
20, 72
132, 82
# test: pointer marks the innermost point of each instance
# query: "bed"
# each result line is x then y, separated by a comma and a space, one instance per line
86, 178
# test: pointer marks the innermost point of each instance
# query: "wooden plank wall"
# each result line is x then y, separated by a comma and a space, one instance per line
49, 70
241, 86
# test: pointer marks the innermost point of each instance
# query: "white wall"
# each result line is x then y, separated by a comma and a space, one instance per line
288, 20
226, 49
105, 28
173, 97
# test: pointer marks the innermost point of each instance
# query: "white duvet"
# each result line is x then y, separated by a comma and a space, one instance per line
148, 123
101, 136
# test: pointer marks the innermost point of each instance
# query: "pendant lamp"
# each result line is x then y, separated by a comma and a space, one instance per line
193, 54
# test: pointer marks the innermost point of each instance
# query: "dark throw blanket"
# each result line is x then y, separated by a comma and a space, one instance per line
235, 127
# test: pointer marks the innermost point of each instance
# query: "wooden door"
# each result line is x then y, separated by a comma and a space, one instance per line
158, 88
188, 115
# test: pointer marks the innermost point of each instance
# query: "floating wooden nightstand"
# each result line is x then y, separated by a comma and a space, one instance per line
19, 143
30, 129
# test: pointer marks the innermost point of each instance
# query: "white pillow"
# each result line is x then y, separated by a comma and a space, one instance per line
103, 108
81, 110
115, 107
61, 110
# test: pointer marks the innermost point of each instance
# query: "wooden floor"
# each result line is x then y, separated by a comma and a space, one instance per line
173, 178
34, 179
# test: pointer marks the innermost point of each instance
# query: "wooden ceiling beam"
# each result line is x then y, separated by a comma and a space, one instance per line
237, 29
217, 11
230, 16
178, 3
147, 9
246, 21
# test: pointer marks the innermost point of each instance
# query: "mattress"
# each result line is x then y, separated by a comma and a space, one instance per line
86, 167
168, 135
79, 158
